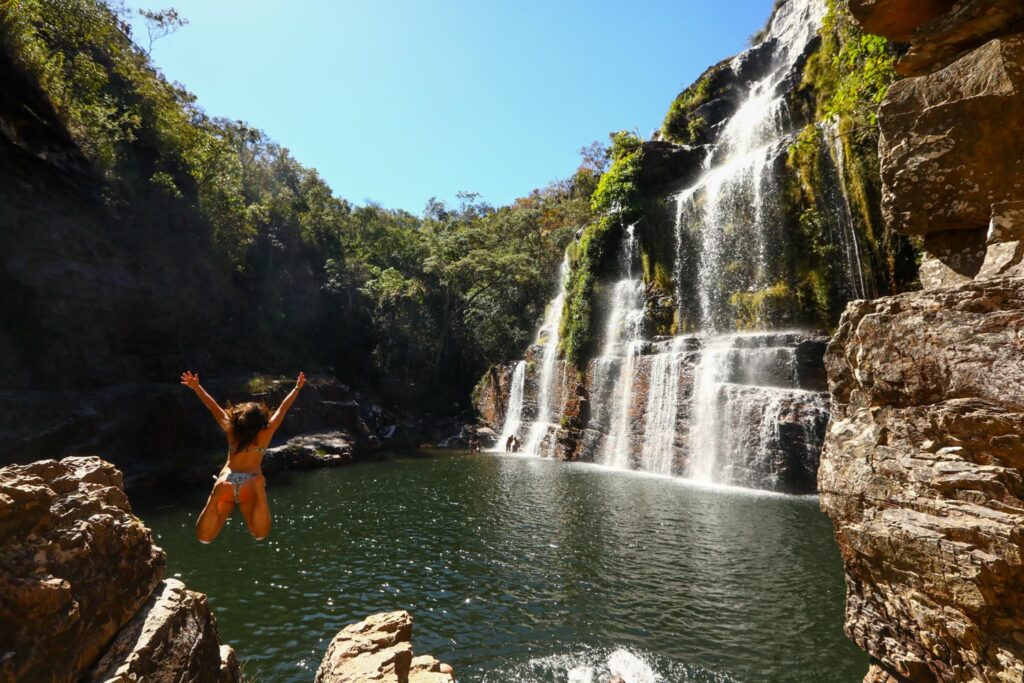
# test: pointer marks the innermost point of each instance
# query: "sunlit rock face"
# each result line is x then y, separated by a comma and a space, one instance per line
379, 648
81, 585
923, 476
923, 463
947, 152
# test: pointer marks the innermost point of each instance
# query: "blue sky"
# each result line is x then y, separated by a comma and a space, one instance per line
396, 101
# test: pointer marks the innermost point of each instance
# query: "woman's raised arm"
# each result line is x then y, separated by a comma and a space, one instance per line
278, 416
192, 382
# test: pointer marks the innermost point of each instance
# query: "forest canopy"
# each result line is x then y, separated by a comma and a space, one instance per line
413, 304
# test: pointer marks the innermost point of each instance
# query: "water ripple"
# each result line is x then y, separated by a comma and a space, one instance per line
520, 569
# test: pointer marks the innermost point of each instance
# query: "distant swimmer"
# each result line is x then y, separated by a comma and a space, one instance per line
249, 428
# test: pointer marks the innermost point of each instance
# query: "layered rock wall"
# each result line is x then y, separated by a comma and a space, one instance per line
923, 467
923, 475
82, 589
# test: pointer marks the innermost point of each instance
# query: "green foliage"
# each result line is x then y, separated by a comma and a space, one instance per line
763, 308
261, 384
680, 126
587, 258
617, 190
852, 70
416, 304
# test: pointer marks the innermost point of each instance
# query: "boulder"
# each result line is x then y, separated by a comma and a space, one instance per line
923, 476
946, 152
82, 595
378, 648
75, 566
310, 451
172, 638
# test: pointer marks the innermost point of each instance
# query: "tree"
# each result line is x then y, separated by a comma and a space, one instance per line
161, 23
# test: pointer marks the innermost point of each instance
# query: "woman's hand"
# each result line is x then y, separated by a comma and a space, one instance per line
190, 380
300, 381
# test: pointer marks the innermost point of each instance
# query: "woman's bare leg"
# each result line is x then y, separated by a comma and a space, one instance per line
256, 508
218, 509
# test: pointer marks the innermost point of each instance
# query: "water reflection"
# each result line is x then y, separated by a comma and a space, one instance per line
522, 569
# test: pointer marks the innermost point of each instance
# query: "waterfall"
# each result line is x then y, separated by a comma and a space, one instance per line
622, 338
733, 208
548, 337
660, 427
745, 387
716, 406
514, 412
841, 217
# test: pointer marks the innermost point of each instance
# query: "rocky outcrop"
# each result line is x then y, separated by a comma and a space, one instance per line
947, 154
952, 168
490, 396
172, 638
81, 585
923, 467
923, 477
938, 31
376, 649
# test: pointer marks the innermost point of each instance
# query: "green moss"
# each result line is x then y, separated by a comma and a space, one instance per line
261, 384
587, 258
763, 308
618, 190
679, 124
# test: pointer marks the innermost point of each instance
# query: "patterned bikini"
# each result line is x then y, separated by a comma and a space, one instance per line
236, 479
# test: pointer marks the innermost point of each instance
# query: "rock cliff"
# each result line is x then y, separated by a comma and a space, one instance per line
82, 588
923, 467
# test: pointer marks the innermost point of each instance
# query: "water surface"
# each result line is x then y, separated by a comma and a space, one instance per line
522, 569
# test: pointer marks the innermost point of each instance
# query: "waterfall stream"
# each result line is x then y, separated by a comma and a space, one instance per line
514, 412
716, 406
622, 338
548, 338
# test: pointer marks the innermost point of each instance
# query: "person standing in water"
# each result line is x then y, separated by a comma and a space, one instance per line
249, 428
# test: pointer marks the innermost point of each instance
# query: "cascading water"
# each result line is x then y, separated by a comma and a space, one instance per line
622, 338
661, 425
514, 412
716, 406
733, 208
548, 337
841, 217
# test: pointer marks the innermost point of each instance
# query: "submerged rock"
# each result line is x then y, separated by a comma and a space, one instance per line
378, 648
923, 477
79, 571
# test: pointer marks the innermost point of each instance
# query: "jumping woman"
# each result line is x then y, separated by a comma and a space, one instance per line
249, 428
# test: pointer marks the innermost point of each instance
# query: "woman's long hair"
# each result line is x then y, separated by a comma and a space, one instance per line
245, 421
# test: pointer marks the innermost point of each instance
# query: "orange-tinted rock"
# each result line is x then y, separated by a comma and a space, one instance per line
81, 586
897, 20
75, 566
947, 151
923, 477
938, 31
378, 649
